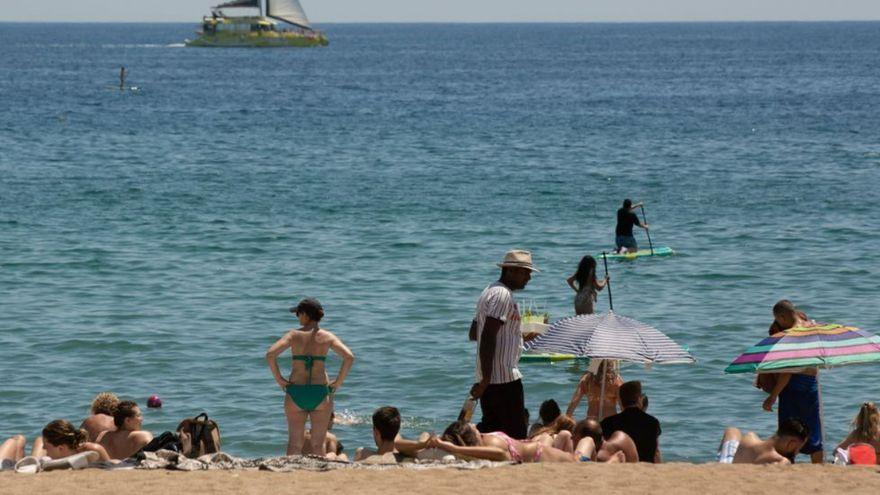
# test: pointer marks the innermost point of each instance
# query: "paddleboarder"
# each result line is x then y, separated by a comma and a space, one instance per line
626, 219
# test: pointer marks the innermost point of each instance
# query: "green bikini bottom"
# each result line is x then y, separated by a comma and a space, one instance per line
308, 397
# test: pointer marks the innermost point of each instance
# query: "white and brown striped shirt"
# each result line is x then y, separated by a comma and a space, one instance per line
497, 302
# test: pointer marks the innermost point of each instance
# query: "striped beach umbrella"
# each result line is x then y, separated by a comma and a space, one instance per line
819, 346
609, 336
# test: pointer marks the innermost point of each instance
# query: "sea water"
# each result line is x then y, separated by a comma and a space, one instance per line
153, 240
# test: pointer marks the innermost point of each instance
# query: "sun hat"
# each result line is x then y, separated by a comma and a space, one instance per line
518, 259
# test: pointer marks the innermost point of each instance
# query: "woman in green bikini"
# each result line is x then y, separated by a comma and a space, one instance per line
309, 392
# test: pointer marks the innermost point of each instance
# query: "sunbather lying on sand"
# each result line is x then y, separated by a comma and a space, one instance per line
60, 439
619, 445
737, 448
463, 439
549, 435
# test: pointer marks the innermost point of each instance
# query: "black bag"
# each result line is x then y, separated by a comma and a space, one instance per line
165, 441
198, 436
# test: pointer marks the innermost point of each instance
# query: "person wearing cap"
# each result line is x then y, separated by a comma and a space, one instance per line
496, 329
309, 391
626, 219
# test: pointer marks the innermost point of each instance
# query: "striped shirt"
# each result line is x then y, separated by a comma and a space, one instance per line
497, 302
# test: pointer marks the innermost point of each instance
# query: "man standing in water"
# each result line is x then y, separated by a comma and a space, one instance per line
496, 328
626, 219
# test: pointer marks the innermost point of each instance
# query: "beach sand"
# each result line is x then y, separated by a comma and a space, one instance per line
526, 479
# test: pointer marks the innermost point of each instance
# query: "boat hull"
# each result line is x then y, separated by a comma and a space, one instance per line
258, 40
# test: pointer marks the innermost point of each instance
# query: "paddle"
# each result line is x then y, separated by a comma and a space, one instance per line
610, 301
645, 219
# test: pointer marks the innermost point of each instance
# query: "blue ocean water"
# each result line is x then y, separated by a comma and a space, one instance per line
153, 240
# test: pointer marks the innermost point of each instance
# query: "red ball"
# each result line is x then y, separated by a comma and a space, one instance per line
154, 401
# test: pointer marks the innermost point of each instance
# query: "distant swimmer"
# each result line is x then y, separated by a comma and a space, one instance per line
626, 218
781, 448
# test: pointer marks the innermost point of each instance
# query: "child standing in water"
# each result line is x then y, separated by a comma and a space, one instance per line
586, 286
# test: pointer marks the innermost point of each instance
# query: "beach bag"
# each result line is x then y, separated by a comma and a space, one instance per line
198, 436
165, 441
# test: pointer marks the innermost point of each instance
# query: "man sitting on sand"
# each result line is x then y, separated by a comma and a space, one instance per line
640, 426
128, 438
737, 448
386, 434
101, 419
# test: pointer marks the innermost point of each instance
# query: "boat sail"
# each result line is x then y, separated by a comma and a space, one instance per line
288, 11
221, 30
238, 4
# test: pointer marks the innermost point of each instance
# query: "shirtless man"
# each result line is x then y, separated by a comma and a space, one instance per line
128, 438
101, 419
386, 435
737, 448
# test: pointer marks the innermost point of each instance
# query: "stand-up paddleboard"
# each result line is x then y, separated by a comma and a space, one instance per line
658, 251
549, 358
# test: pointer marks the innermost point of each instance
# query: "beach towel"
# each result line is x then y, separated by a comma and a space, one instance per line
165, 459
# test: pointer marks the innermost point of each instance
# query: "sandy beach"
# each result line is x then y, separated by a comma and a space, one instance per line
532, 478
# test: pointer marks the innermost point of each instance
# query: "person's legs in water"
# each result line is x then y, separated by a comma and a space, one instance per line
296, 426
729, 445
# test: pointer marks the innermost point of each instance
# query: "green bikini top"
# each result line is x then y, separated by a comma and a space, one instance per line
308, 360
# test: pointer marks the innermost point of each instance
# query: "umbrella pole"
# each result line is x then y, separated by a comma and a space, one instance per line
645, 219
610, 300
604, 367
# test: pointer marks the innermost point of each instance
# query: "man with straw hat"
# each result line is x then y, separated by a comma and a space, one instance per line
496, 328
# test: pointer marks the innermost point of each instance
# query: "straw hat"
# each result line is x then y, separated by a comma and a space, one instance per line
518, 259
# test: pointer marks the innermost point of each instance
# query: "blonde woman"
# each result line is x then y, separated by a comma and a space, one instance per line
590, 385
866, 429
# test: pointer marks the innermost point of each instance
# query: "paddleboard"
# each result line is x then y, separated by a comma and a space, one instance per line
549, 358
658, 251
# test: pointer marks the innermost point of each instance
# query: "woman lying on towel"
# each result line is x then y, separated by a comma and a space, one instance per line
464, 440
59, 440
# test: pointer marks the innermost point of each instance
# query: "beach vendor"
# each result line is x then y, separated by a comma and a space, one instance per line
496, 328
626, 219
737, 448
798, 393
309, 391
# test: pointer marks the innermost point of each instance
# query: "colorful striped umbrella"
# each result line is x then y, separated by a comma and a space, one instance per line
820, 346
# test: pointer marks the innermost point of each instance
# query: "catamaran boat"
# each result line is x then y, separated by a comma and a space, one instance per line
284, 24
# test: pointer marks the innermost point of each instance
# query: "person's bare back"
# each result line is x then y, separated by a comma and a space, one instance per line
97, 424
753, 450
122, 444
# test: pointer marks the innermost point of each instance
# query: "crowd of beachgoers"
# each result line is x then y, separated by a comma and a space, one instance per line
616, 429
